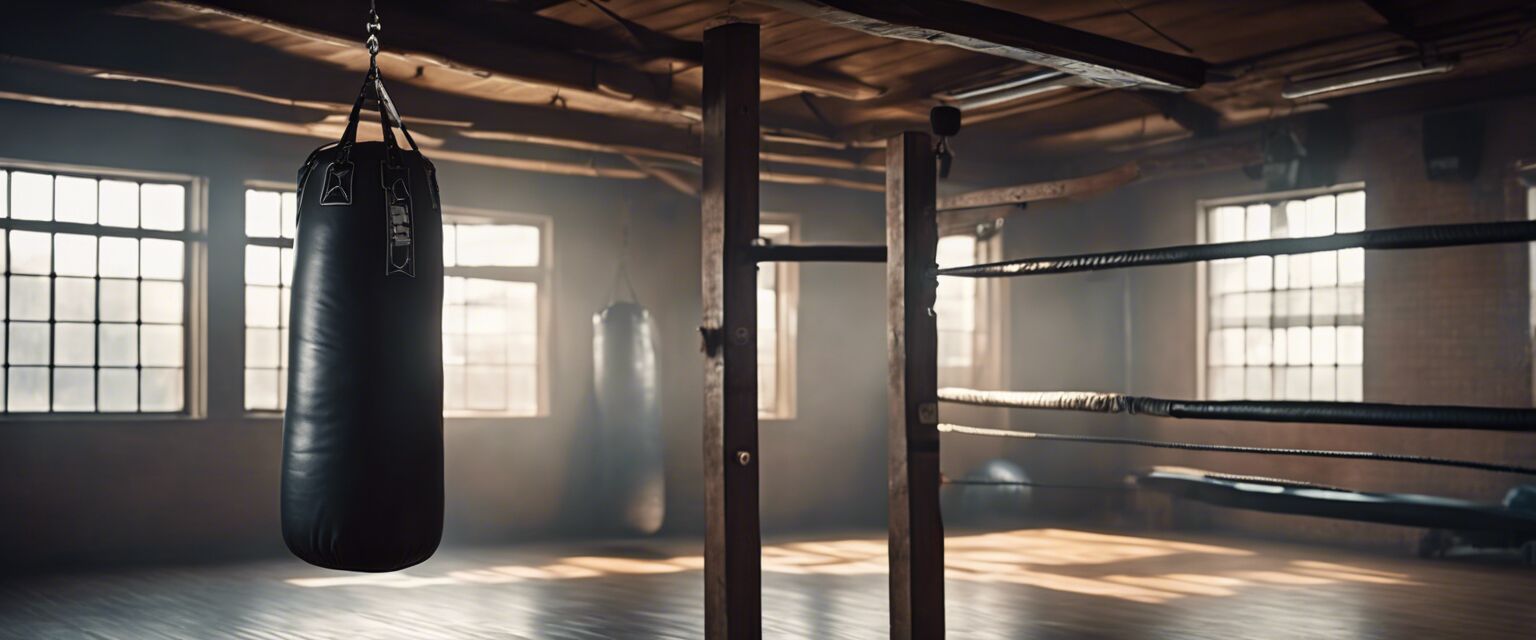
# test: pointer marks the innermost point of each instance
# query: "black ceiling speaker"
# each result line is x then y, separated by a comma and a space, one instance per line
946, 123
1453, 145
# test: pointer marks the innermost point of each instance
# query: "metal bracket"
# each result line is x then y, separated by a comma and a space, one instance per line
710, 340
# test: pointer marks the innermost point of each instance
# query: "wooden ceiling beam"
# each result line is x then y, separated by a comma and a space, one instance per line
1097, 59
429, 37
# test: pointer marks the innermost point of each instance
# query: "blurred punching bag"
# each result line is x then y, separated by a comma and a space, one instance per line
362, 477
629, 413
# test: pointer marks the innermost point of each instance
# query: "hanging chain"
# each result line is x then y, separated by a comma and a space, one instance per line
374, 27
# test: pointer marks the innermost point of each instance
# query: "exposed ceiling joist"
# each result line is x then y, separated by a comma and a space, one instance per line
418, 41
1173, 164
1097, 59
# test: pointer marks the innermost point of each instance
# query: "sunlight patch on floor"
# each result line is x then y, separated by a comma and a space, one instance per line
1078, 562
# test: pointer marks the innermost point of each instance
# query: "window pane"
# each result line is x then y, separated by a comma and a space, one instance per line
27, 389
161, 302
74, 389
160, 345
75, 344
119, 345
119, 257
487, 388
32, 199
30, 298
74, 254
163, 206
261, 389
1258, 222
1351, 217
497, 245
74, 199
119, 300
31, 252
290, 214
119, 203
263, 212
160, 389
1227, 224
74, 299
262, 265
161, 259
29, 343
119, 390
261, 348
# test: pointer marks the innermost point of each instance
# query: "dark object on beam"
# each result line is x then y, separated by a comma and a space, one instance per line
1404, 509
1097, 59
732, 535
819, 253
1374, 414
1268, 451
1424, 237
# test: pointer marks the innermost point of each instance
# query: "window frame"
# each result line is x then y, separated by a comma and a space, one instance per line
542, 275
787, 281
1202, 277
194, 238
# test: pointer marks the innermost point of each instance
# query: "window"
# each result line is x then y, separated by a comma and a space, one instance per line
95, 290
969, 331
778, 286
271, 220
493, 300
1286, 327
494, 318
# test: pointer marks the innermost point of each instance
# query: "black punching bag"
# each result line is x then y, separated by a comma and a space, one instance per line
633, 470
363, 433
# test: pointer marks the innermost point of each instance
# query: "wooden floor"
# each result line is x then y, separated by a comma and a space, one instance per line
1035, 583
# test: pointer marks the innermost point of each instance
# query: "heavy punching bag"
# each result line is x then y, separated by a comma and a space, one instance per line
362, 476
629, 413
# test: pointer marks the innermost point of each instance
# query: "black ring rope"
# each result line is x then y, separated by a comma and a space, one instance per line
1357, 413
1187, 446
1421, 237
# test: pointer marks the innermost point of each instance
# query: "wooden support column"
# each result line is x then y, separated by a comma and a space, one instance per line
732, 540
917, 529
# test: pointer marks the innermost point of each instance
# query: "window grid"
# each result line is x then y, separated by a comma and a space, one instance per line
271, 222
1287, 327
493, 319
95, 293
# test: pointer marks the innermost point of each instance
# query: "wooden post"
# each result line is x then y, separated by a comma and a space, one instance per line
732, 540
917, 529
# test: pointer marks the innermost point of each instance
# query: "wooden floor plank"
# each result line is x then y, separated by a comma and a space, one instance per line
1033, 583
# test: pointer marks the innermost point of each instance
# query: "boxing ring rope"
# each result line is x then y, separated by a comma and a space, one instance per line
1355, 413
1423, 237
1188, 446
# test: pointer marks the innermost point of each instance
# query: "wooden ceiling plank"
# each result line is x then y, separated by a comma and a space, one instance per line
974, 27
